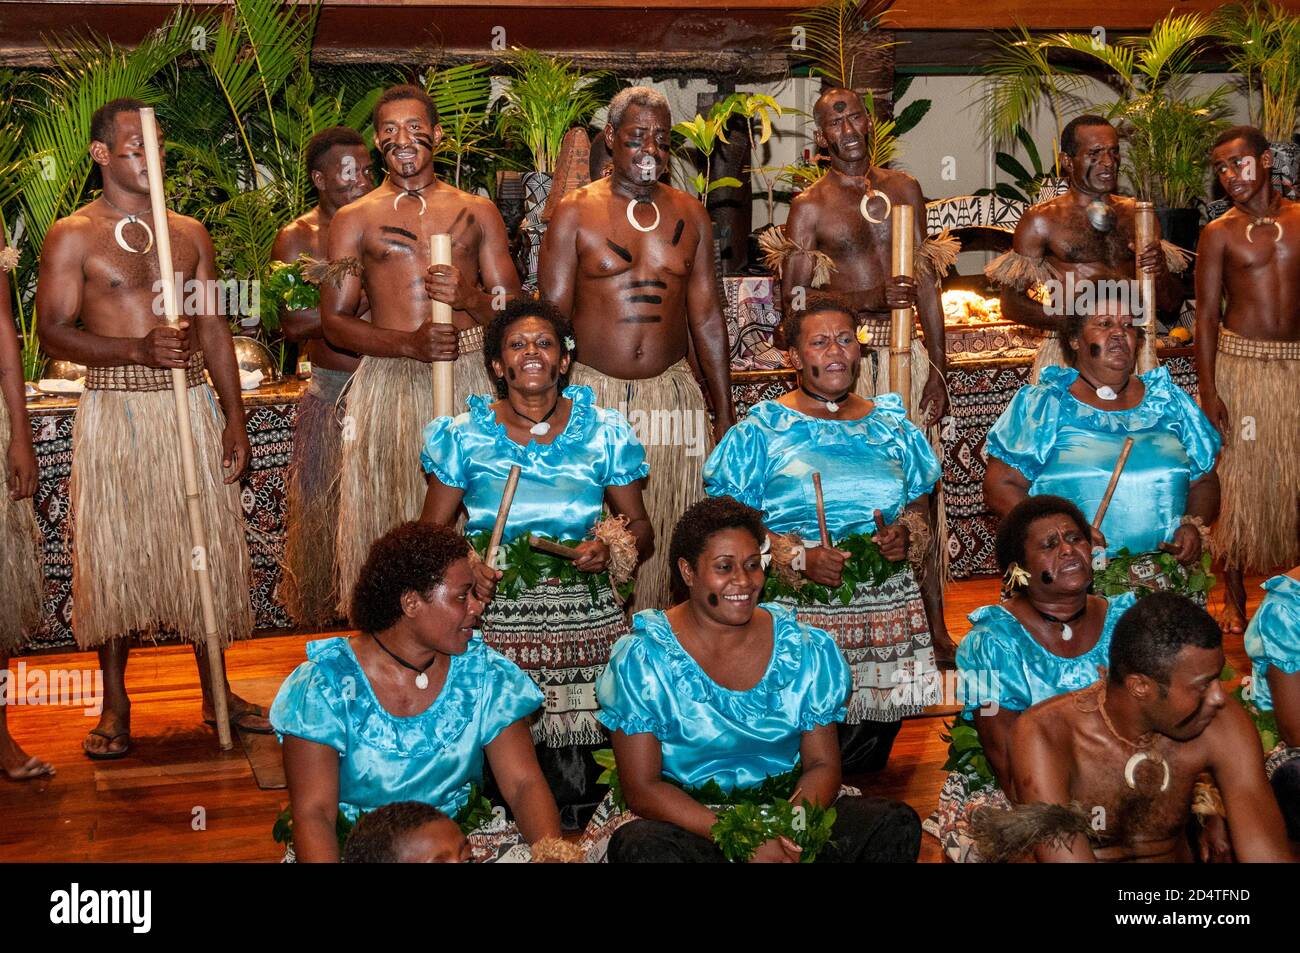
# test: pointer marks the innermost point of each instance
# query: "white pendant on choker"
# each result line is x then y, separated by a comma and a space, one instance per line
540, 430
1067, 633
1106, 392
833, 407
422, 681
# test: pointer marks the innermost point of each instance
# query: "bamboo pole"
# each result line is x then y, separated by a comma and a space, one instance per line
821, 510
189, 472
503, 513
1114, 481
555, 549
900, 336
443, 393
1146, 229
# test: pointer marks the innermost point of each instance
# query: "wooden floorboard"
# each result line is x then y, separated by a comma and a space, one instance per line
178, 797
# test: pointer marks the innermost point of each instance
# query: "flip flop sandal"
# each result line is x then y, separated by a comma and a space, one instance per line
109, 755
255, 712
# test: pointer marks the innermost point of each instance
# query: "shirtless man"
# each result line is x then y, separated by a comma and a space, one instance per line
98, 304
1088, 231
1129, 748
630, 261
339, 165
21, 587
379, 245
1249, 368
828, 217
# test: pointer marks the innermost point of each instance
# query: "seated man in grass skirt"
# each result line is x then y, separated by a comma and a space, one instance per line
1110, 772
338, 163
629, 260
379, 245
99, 305
1249, 367
21, 583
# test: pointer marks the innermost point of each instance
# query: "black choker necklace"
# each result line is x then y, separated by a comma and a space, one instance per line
1105, 391
421, 679
832, 403
1066, 632
539, 428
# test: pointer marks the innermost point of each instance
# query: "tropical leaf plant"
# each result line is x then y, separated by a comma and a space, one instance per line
836, 44
544, 97
703, 133
1027, 183
1263, 45
463, 97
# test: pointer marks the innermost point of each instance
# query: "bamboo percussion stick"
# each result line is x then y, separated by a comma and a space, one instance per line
555, 549
1146, 230
1114, 481
185, 436
443, 394
821, 510
900, 336
503, 513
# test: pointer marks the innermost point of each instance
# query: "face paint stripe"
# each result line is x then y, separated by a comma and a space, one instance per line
643, 319
645, 299
647, 283
677, 232
619, 250
399, 231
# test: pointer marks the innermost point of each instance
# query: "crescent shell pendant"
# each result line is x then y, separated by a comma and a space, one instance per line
121, 240
631, 218
862, 206
415, 195
1130, 769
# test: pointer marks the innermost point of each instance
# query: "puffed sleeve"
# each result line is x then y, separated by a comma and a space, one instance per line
631, 695
1197, 435
508, 694
921, 467
309, 706
1273, 636
989, 666
829, 684
624, 456
1024, 435
442, 454
737, 467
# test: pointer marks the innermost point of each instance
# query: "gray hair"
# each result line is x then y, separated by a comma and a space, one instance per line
636, 96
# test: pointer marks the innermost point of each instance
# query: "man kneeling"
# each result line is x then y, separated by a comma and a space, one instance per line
1107, 773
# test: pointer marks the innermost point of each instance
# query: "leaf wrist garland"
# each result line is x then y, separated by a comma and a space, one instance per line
1118, 576
290, 289
523, 567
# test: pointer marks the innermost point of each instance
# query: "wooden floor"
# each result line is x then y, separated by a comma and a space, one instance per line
180, 798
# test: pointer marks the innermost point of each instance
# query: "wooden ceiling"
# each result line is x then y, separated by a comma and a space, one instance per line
667, 36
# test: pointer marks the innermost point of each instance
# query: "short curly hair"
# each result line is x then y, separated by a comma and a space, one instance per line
1010, 546
495, 333
375, 837
816, 303
711, 515
1151, 633
411, 557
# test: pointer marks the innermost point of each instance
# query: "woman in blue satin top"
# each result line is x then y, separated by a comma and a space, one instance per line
411, 707
1063, 436
575, 459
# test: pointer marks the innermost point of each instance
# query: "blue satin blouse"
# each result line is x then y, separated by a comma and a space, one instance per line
1026, 673
561, 490
881, 461
1065, 447
708, 732
1273, 636
433, 757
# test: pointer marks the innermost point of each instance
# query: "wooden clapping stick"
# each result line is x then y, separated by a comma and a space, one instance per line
185, 436
503, 513
900, 327
555, 549
821, 510
1114, 481
443, 392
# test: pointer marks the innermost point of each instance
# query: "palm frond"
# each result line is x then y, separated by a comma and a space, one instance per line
835, 32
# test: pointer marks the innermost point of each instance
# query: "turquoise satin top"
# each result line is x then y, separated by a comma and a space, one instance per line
431, 757
766, 461
708, 732
1026, 673
1273, 636
561, 490
1065, 447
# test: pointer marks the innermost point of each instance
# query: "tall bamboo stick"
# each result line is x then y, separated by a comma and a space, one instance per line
1146, 229
443, 394
189, 472
1114, 482
900, 336
503, 513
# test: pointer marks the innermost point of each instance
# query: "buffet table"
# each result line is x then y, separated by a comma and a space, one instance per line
981, 383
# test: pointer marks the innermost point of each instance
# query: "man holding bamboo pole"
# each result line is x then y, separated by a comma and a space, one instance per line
380, 245
133, 560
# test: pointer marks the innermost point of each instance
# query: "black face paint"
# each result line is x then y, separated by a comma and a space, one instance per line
816, 371
387, 145
646, 283
1094, 350
840, 106
677, 232
399, 231
713, 598
619, 250
1047, 577
645, 299
643, 319
510, 372
420, 139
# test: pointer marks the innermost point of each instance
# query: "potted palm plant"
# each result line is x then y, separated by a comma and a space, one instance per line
1263, 44
544, 97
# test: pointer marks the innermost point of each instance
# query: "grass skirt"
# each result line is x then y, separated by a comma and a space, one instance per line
562, 638
1258, 530
22, 588
131, 561
885, 638
669, 417
307, 575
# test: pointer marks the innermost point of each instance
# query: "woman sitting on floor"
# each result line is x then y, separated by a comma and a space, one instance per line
723, 713
1046, 639
408, 709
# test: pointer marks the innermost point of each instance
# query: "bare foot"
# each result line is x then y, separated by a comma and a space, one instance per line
244, 715
945, 652
111, 737
1231, 619
18, 765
